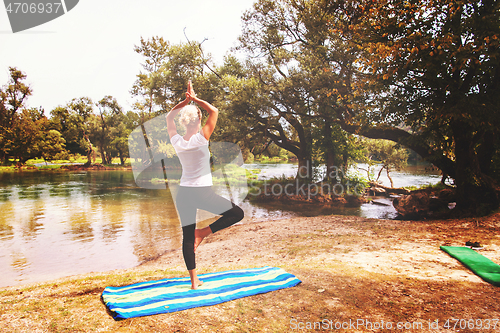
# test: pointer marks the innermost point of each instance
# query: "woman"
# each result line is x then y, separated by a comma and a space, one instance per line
195, 190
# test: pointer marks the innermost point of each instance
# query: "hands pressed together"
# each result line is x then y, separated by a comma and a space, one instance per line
190, 95
209, 126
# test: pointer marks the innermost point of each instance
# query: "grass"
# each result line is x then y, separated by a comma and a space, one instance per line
48, 167
276, 159
435, 187
30, 165
233, 175
5, 168
74, 305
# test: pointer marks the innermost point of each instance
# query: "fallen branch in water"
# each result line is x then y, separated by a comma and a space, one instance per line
388, 190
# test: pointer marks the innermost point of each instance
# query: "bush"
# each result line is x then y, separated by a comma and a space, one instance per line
437, 187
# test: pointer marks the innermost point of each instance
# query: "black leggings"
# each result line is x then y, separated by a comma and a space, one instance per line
188, 200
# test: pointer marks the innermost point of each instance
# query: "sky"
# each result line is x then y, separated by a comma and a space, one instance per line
89, 51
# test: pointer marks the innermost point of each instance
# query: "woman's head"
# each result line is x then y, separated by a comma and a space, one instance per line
190, 116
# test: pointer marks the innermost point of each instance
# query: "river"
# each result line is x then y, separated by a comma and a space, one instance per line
55, 224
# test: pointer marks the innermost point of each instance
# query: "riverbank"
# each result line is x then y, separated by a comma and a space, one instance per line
351, 268
64, 165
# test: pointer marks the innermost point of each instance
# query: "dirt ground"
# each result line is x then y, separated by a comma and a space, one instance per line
400, 248
357, 275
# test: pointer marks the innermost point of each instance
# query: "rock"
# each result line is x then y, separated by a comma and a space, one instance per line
436, 204
355, 201
339, 201
447, 195
418, 205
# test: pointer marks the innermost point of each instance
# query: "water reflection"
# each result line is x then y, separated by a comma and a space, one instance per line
30, 192
158, 228
111, 231
32, 225
113, 221
6, 229
81, 232
63, 190
56, 224
5, 194
19, 262
413, 175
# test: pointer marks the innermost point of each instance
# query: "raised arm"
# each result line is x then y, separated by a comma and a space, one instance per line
213, 113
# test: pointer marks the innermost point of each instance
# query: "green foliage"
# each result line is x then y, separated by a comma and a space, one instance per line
73, 129
436, 63
49, 167
53, 146
168, 68
423, 74
248, 157
435, 187
72, 121
13, 96
27, 128
420, 73
354, 184
389, 154
109, 131
282, 180
306, 80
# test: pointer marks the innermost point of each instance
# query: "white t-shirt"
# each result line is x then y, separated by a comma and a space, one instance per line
195, 160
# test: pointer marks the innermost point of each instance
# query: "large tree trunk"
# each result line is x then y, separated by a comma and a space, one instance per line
305, 169
332, 161
475, 192
90, 150
103, 154
486, 150
300, 148
108, 158
122, 157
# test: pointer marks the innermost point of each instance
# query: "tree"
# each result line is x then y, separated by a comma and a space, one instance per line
12, 100
421, 73
439, 64
148, 84
110, 114
167, 71
390, 155
266, 113
53, 146
29, 128
123, 125
72, 122
306, 75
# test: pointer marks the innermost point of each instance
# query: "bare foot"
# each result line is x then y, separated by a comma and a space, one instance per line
196, 284
199, 235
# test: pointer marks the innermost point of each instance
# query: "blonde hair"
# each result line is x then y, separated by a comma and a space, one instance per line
190, 114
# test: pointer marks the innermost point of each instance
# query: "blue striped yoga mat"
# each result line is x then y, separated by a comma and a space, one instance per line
175, 294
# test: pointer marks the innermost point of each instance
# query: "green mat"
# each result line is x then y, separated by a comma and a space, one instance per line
479, 264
